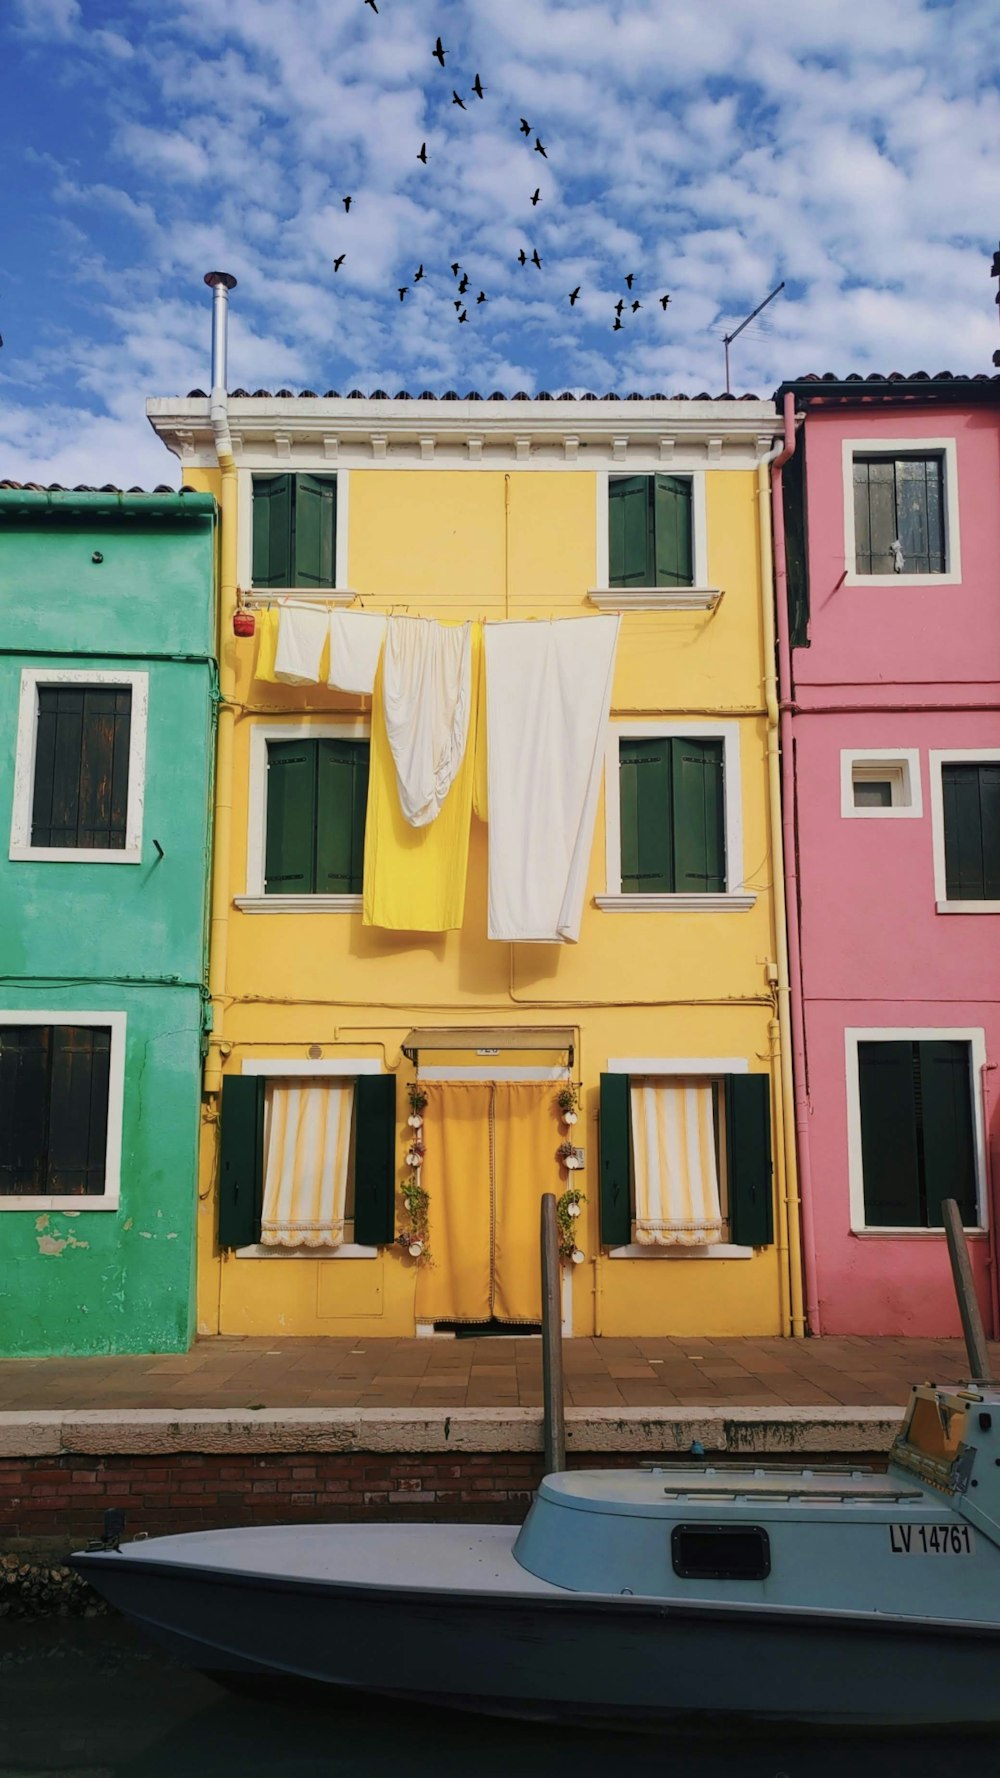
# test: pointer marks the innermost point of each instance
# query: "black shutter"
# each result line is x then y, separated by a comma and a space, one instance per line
616, 1161
241, 1168
748, 1154
24, 1109
945, 1068
889, 1151
375, 1160
794, 503
971, 798
78, 1110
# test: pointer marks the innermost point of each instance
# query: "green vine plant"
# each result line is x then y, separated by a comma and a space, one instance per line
415, 1237
568, 1209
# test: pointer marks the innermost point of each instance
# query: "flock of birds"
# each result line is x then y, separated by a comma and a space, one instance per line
622, 307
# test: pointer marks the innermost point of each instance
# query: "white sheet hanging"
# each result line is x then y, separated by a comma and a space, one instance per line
427, 693
356, 639
548, 693
302, 636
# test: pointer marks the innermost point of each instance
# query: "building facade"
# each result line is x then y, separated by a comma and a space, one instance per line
888, 525
338, 993
107, 680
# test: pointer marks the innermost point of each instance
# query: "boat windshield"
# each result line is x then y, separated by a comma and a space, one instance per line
933, 1435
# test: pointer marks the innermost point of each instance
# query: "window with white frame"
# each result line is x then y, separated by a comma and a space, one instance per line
79, 767
673, 818
915, 1126
965, 810
880, 781
900, 511
652, 544
61, 1089
308, 806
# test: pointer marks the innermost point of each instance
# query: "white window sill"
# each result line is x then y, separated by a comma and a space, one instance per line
74, 1205
301, 595
901, 812
348, 1250
676, 904
75, 855
717, 1250
883, 1234
298, 904
655, 598
902, 580
968, 907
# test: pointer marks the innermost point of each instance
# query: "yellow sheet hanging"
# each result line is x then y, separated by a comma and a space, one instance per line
414, 877
267, 643
526, 1135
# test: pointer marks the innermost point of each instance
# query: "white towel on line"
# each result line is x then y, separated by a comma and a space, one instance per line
548, 694
302, 635
356, 639
426, 693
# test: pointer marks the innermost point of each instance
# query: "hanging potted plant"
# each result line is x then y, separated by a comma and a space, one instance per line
414, 1239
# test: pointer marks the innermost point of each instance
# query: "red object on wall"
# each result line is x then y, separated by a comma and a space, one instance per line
244, 623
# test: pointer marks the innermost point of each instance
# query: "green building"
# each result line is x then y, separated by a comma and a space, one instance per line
108, 686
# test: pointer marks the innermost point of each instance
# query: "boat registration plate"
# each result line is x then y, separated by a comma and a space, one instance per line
931, 1540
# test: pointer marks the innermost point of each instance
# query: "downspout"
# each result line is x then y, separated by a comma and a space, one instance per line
221, 283
791, 885
780, 1031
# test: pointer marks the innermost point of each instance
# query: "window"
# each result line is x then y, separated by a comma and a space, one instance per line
899, 514
60, 1110
720, 1552
673, 819
965, 808
308, 1158
294, 531
317, 794
918, 1139
78, 778
650, 532
879, 784
681, 1151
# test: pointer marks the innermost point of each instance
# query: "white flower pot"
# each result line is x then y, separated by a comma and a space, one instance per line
572, 1209
578, 1257
416, 1248
569, 1117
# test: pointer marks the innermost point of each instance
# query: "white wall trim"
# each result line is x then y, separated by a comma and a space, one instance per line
442, 1071
298, 904
347, 1250
654, 598
677, 1065
675, 904
336, 1066
904, 759
699, 535
938, 757
244, 535
903, 447
718, 1250
346, 728
973, 1035
116, 1023
24, 766
732, 786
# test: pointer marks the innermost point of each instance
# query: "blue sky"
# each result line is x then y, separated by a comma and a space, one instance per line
711, 149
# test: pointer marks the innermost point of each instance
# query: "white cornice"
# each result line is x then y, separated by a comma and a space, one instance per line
313, 431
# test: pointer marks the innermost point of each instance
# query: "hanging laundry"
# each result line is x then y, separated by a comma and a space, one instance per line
307, 1153
267, 643
302, 638
673, 1155
356, 639
480, 786
414, 877
427, 697
548, 694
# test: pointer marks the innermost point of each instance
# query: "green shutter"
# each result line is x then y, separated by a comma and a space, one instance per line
795, 503
25, 1052
78, 1110
698, 816
375, 1160
341, 801
674, 562
315, 531
241, 1165
889, 1152
290, 851
272, 531
748, 1156
644, 800
971, 794
616, 1161
945, 1073
630, 531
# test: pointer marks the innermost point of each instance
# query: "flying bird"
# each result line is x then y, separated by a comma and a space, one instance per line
535, 259
457, 304
664, 301
456, 267
347, 203
439, 52
478, 87
619, 305
418, 274
482, 297
456, 100
422, 156
463, 284
525, 127
628, 278
618, 324
339, 262
573, 295
536, 195
538, 147
636, 305
522, 258
403, 288
372, 4
464, 316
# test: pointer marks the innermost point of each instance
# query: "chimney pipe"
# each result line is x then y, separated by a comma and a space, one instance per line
220, 283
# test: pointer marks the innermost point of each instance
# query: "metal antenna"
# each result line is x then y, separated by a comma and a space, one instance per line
728, 338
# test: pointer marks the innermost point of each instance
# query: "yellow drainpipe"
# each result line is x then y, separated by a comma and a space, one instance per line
784, 1090
218, 953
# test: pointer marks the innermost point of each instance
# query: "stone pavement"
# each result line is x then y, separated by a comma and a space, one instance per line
371, 1373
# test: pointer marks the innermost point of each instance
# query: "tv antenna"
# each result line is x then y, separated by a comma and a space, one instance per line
728, 338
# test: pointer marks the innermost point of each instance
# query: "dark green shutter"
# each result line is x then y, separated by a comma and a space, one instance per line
315, 531
241, 1166
616, 1161
795, 504
375, 1160
889, 1150
749, 1163
24, 1108
630, 531
290, 853
78, 1110
945, 1085
341, 802
698, 816
272, 531
646, 827
971, 794
674, 563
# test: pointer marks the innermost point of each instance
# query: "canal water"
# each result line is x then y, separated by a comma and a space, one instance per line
91, 1699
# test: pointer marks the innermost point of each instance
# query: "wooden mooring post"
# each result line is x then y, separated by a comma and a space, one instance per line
965, 1290
553, 1396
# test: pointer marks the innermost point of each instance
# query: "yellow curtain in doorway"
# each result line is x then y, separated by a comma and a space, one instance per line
526, 1137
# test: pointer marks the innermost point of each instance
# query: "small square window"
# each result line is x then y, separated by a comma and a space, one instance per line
876, 784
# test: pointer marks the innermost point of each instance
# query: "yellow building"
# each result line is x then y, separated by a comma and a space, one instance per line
666, 1015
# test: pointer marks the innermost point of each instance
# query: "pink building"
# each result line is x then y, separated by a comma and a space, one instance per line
887, 554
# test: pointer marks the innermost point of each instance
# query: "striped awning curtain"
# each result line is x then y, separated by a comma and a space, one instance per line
673, 1152
307, 1145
